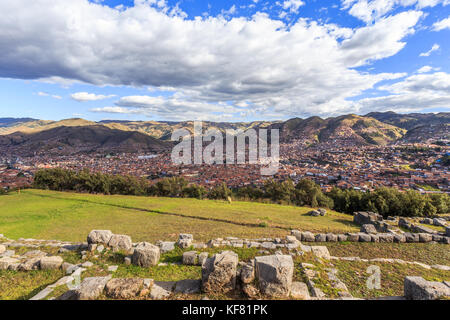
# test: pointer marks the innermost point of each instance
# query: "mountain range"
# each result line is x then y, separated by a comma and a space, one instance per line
28, 136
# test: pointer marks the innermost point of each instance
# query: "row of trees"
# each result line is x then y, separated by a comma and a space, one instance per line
386, 201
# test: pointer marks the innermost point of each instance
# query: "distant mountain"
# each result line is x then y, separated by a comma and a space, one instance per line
84, 139
411, 120
6, 122
348, 130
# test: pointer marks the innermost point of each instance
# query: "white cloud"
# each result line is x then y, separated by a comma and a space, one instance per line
85, 96
301, 69
426, 69
45, 94
292, 5
417, 92
372, 10
442, 24
433, 48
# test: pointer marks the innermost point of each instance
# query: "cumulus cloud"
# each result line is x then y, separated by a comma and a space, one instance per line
442, 24
433, 48
372, 10
426, 69
85, 96
278, 70
292, 5
417, 92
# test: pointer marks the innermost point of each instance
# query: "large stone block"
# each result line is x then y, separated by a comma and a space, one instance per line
219, 272
145, 255
91, 288
417, 288
120, 242
274, 274
99, 236
51, 263
124, 288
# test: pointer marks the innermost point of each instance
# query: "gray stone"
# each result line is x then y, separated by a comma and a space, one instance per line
219, 272
162, 289
247, 273
307, 236
202, 258
439, 222
368, 228
423, 229
314, 213
100, 248
167, 246
190, 258
30, 264
417, 288
274, 274
127, 261
300, 290
321, 252
188, 286
113, 268
447, 231
425, 237
185, 240
374, 238
353, 237
385, 237
124, 288
2, 248
411, 237
332, 237
342, 237
322, 211
51, 263
268, 245
91, 288
5, 262
120, 242
87, 264
321, 237
364, 237
99, 236
146, 255
399, 238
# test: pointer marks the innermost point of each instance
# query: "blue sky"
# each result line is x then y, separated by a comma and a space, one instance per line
222, 60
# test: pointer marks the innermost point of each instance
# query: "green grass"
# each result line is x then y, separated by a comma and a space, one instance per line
428, 253
70, 216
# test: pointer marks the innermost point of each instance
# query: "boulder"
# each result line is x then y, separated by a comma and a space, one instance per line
274, 274
321, 237
332, 237
342, 237
374, 238
353, 237
300, 290
423, 229
321, 252
386, 237
399, 238
146, 255
5, 262
185, 240
124, 288
190, 258
439, 222
219, 272
30, 264
322, 211
51, 263
417, 288
167, 246
120, 242
425, 237
403, 223
99, 236
91, 288
314, 213
364, 237
368, 228
411, 237
307, 236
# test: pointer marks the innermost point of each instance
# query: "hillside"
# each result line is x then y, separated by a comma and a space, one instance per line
84, 139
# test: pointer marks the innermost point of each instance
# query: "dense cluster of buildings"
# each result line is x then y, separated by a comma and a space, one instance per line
362, 168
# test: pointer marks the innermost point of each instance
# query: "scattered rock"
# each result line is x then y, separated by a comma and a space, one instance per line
190, 258
368, 228
87, 264
51, 263
99, 236
91, 288
314, 213
124, 288
146, 255
321, 252
185, 240
274, 274
5, 262
161, 290
219, 272
322, 211
300, 290
321, 237
120, 242
167, 246
417, 288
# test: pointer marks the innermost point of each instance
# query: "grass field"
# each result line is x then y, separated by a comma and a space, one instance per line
43, 214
